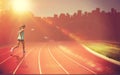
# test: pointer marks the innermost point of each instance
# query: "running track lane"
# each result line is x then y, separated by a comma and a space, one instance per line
49, 64
49, 59
81, 55
31, 65
73, 67
8, 65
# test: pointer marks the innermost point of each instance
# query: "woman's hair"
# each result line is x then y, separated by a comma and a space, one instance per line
23, 26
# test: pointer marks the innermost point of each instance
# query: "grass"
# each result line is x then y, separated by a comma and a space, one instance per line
106, 49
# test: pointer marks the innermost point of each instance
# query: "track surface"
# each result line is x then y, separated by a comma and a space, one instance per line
54, 58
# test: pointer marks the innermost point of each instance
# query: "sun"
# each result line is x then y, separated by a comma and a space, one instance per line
20, 5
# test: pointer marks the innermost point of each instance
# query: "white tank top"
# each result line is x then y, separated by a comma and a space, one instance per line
21, 35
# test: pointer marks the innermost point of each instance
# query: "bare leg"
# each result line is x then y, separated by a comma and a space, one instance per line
18, 43
23, 45
12, 49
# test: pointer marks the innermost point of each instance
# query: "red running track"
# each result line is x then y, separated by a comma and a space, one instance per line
54, 58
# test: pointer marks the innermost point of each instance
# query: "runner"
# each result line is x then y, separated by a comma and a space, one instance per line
20, 40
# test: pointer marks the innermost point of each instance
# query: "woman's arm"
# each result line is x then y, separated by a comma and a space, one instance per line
21, 30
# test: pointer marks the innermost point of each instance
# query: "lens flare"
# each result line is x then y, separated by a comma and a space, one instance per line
20, 5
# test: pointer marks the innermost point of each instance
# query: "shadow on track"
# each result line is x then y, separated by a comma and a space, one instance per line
18, 58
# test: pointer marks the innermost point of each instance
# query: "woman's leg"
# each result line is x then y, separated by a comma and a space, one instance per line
18, 43
23, 45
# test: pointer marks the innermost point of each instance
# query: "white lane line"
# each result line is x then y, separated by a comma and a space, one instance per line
5, 60
58, 62
101, 56
39, 62
20, 63
78, 63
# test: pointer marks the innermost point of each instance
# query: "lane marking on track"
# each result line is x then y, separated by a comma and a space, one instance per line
5, 60
58, 62
78, 63
39, 62
101, 56
20, 62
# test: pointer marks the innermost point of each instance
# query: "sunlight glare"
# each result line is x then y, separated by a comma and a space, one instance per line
20, 5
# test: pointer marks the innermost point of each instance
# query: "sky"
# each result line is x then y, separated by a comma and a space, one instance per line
45, 8
51, 7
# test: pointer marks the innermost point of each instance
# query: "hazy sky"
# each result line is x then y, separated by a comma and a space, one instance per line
51, 7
